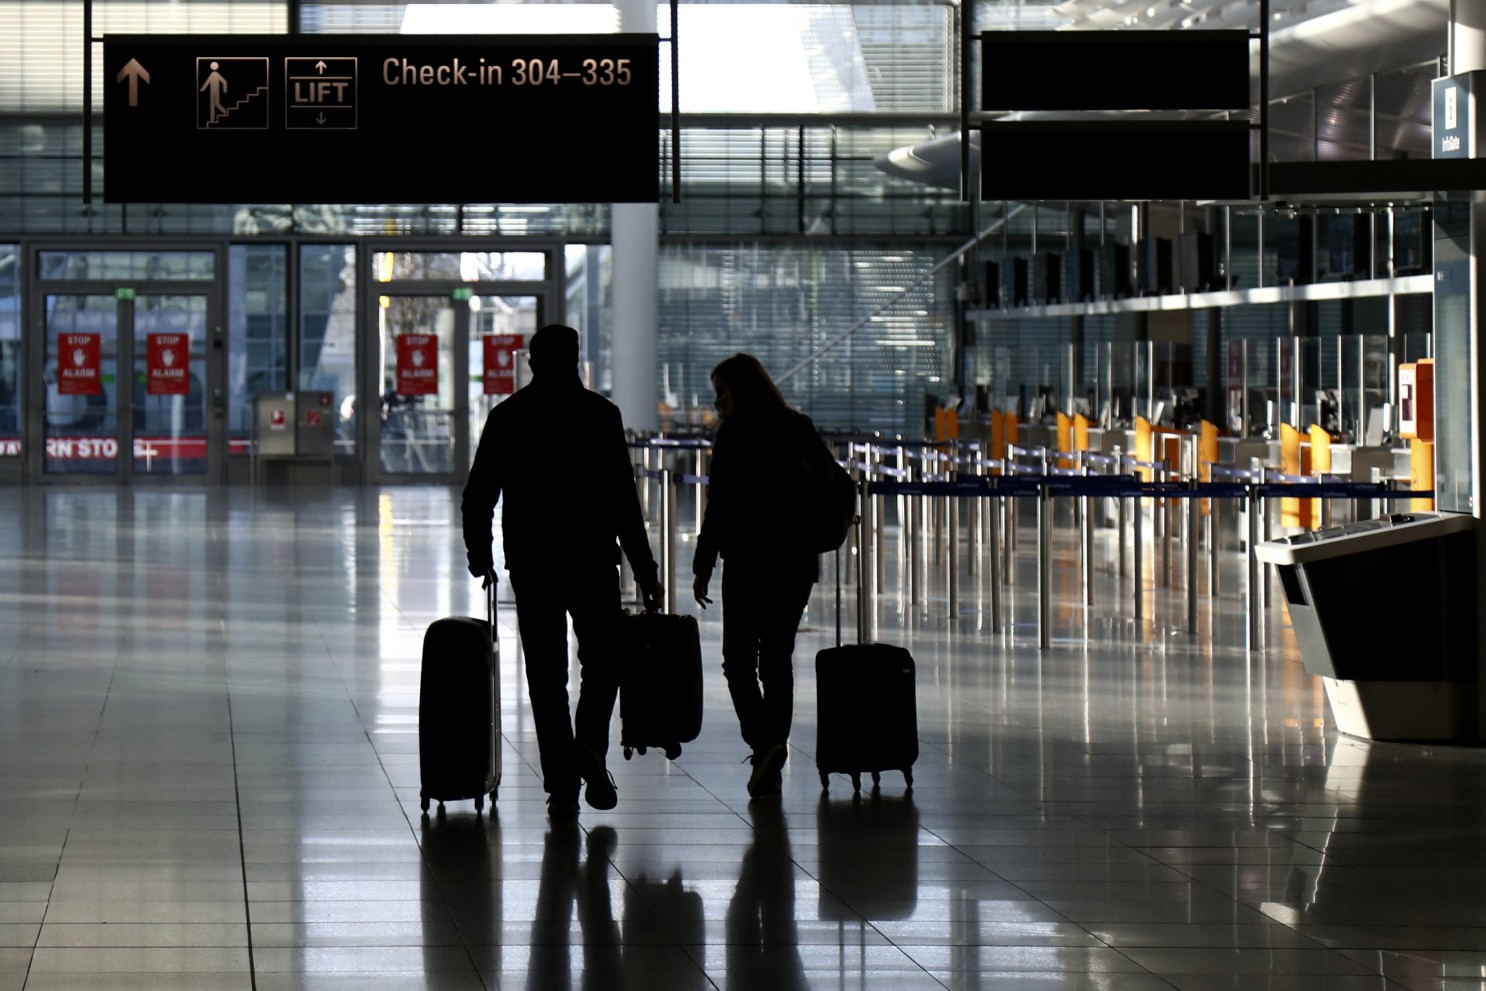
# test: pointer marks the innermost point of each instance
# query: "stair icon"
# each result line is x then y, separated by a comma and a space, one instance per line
239, 104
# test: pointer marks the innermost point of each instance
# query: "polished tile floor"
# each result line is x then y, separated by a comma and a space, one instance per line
208, 780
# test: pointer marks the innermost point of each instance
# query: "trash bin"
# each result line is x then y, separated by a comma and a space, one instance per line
1384, 612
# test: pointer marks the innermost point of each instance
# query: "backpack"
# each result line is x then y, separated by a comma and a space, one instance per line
828, 498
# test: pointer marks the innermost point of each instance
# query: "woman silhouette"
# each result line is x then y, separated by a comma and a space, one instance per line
753, 522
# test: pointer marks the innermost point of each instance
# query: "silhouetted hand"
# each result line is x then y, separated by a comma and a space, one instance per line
653, 596
485, 570
699, 589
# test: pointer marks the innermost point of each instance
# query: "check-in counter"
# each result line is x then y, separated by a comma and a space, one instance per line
1385, 613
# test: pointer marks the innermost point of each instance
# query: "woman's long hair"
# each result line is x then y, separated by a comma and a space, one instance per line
749, 384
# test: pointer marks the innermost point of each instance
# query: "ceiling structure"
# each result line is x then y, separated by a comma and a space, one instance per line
1349, 79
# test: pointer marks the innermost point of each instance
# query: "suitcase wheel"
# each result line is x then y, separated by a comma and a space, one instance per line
825, 781
423, 802
673, 751
492, 797
908, 778
856, 781
479, 804
876, 781
629, 752
640, 751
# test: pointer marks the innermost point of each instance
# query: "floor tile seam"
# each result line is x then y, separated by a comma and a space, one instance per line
82, 781
242, 850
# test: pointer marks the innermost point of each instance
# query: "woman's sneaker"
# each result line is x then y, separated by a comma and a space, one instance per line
767, 779
600, 793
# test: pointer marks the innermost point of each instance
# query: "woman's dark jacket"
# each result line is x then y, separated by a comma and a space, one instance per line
752, 518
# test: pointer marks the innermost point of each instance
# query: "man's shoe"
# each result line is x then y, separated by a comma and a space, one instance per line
767, 779
600, 793
562, 809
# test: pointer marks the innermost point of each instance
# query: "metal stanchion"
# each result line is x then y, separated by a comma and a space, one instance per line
1139, 555
1163, 528
1121, 522
699, 504
872, 458
952, 559
1211, 526
1086, 541
1044, 564
1255, 596
994, 553
1007, 508
914, 550
1194, 511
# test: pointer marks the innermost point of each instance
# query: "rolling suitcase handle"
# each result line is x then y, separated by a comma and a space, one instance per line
495, 754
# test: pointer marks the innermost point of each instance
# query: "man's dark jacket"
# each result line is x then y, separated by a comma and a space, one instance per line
557, 453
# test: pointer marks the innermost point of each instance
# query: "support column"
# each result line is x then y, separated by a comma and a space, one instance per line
1460, 257
636, 291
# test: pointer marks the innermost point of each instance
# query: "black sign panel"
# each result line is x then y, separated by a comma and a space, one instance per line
379, 119
1114, 70
1171, 160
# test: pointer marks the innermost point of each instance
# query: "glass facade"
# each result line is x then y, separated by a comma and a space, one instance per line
257, 333
783, 305
327, 332
10, 350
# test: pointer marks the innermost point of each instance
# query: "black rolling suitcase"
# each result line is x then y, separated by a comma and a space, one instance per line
459, 710
866, 713
660, 689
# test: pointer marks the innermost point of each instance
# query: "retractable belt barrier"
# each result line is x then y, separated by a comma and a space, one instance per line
940, 477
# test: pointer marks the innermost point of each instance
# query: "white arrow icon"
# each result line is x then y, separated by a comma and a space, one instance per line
321, 66
134, 72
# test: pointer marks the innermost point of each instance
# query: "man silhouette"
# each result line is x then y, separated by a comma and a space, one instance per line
557, 454
214, 87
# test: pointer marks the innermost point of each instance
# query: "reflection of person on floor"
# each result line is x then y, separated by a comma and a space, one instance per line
762, 937
565, 885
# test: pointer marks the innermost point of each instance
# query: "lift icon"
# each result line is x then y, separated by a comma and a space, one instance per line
232, 94
320, 94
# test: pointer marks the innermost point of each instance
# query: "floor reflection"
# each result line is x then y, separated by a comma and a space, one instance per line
868, 855
204, 695
762, 939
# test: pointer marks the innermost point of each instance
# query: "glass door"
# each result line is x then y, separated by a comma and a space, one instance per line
169, 405
125, 387
500, 329
445, 340
419, 339
80, 418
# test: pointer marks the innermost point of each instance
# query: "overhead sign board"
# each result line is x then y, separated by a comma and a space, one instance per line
1157, 160
1115, 70
381, 119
